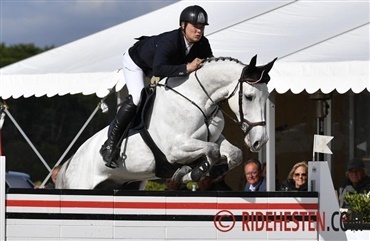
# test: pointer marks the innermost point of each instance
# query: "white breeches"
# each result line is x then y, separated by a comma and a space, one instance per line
134, 77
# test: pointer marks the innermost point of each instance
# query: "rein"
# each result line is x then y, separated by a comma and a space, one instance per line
205, 117
244, 124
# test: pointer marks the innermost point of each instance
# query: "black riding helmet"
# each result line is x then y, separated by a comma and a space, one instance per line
194, 14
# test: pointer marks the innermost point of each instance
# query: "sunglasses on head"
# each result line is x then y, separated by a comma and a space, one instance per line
300, 174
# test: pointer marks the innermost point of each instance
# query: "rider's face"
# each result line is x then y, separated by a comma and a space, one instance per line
193, 32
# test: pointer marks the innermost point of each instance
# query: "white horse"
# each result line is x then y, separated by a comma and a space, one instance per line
186, 124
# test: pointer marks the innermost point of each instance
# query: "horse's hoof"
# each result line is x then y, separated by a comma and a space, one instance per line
200, 171
182, 171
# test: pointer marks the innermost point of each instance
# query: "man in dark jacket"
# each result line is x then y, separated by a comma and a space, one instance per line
171, 54
253, 173
357, 180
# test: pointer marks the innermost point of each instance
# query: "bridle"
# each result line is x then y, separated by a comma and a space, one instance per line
244, 121
244, 124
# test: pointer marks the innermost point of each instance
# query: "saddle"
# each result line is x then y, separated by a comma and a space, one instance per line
164, 169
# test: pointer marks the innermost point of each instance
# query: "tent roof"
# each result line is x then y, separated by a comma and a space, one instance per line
320, 45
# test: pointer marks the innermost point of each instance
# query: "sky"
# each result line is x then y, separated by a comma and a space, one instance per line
54, 22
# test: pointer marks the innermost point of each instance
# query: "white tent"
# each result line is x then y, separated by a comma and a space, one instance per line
320, 44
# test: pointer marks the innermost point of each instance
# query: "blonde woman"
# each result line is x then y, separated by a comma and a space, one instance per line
297, 178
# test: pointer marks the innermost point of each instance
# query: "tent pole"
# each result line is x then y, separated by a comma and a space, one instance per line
99, 106
2, 119
270, 145
26, 138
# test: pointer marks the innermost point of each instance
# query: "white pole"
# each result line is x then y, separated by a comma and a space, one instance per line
27, 139
270, 146
74, 140
2, 198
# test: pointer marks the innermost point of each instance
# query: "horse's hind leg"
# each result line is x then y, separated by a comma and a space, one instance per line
199, 171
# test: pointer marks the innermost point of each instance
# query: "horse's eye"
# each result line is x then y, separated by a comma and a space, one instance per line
249, 97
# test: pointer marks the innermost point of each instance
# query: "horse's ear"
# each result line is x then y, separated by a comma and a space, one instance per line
252, 74
268, 66
265, 78
253, 61
251, 66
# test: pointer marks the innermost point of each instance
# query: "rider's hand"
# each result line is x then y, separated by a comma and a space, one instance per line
194, 65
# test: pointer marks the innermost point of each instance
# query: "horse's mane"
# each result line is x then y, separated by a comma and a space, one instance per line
243, 77
208, 60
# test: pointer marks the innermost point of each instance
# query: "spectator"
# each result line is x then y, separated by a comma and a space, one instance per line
253, 173
297, 178
209, 184
54, 174
173, 186
357, 180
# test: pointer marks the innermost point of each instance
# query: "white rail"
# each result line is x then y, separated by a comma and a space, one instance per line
2, 198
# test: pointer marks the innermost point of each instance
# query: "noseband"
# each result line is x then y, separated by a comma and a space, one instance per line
245, 124
244, 121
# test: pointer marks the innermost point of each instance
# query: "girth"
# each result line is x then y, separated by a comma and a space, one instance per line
163, 168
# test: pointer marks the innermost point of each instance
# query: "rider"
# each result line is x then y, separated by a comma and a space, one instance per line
171, 54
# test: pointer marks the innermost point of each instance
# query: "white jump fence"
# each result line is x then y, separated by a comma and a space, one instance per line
43, 214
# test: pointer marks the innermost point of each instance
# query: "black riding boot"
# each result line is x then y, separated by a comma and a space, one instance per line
124, 116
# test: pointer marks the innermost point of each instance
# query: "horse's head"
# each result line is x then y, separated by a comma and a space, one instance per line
249, 105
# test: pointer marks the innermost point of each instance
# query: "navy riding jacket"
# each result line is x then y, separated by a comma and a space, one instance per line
163, 55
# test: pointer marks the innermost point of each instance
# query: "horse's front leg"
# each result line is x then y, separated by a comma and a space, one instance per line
231, 153
194, 149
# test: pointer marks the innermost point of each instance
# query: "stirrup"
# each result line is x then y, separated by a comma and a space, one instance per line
109, 156
112, 163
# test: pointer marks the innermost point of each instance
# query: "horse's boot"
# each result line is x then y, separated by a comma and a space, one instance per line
199, 171
110, 149
218, 170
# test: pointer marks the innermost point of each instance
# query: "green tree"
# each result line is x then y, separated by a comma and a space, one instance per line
50, 123
13, 53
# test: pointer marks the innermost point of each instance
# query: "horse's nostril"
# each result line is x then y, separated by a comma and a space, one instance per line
256, 145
